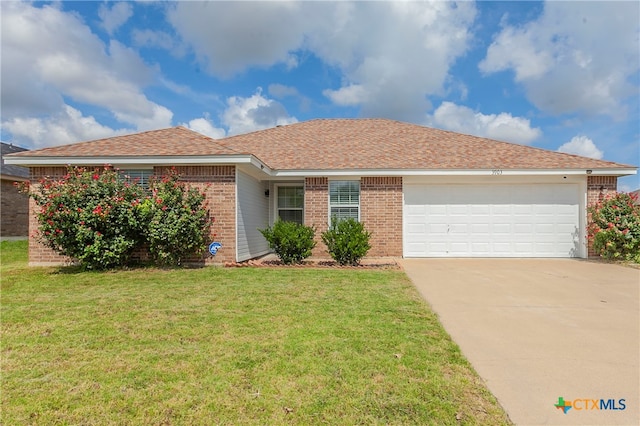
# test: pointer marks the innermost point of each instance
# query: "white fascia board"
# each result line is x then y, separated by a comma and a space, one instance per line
141, 160
612, 172
441, 172
261, 166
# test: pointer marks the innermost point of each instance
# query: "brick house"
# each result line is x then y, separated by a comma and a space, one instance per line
14, 206
422, 192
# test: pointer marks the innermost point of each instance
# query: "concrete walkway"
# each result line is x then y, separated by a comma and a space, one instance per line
536, 330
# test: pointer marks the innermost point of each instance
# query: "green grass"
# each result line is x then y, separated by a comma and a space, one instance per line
227, 346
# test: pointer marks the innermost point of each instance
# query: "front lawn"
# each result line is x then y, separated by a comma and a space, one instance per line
227, 346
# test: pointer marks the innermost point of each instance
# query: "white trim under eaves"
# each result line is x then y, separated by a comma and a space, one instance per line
140, 160
254, 161
442, 172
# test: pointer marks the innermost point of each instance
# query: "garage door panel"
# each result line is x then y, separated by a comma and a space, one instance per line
522, 210
544, 248
501, 229
485, 220
523, 228
481, 228
458, 210
545, 228
502, 248
417, 228
416, 210
437, 228
498, 209
458, 248
523, 248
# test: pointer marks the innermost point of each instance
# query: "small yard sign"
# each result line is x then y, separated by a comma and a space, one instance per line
213, 248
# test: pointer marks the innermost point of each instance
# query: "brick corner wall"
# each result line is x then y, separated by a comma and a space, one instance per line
597, 188
381, 213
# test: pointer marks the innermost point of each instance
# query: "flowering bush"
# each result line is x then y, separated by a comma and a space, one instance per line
614, 229
90, 215
347, 241
177, 222
99, 219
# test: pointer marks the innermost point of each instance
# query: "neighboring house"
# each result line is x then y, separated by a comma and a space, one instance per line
422, 192
14, 206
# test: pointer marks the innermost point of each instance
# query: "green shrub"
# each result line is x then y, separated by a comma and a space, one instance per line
347, 241
291, 241
177, 222
614, 229
90, 215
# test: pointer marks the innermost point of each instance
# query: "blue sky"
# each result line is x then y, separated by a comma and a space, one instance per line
555, 75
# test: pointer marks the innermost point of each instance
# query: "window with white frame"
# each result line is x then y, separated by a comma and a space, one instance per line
139, 176
290, 203
344, 199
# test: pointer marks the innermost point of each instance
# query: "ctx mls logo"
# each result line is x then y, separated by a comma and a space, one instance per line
590, 404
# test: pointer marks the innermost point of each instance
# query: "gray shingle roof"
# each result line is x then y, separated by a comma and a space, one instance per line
10, 169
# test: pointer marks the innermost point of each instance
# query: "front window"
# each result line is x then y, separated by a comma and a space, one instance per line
291, 203
139, 176
344, 199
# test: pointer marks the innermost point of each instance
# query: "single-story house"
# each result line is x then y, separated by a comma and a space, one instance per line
422, 192
14, 205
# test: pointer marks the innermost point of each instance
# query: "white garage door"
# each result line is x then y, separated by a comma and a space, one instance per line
491, 220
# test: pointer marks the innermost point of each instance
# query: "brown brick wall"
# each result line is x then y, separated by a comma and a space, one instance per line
217, 182
40, 255
316, 210
219, 185
597, 188
381, 212
14, 211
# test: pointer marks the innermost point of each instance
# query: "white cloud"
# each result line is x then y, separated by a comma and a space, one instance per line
158, 39
204, 126
263, 33
391, 55
114, 18
67, 126
575, 57
353, 94
281, 91
48, 55
256, 112
501, 126
582, 145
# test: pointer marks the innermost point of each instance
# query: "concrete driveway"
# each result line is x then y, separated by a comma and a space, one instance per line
539, 329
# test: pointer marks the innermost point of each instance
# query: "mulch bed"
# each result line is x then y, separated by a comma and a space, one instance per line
312, 264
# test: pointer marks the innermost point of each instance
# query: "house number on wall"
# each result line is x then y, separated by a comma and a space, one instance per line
496, 172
